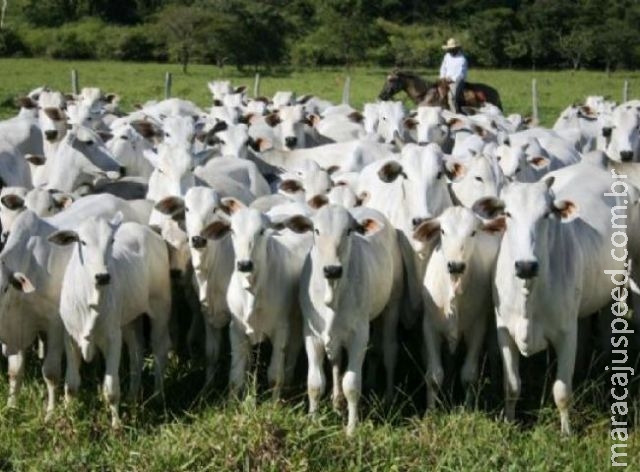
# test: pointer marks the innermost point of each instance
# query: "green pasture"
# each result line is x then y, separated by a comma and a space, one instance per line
138, 82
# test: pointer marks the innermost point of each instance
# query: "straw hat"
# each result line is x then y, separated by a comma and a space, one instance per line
451, 44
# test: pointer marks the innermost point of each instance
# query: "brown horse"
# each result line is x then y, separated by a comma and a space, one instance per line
435, 94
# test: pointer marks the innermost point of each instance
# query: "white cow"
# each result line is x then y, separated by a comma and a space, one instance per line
457, 290
34, 269
116, 273
127, 147
480, 176
349, 245
262, 292
43, 203
624, 142
551, 270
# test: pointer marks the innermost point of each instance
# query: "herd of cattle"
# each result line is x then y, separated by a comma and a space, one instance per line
306, 223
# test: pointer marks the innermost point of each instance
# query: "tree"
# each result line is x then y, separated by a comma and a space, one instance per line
576, 46
186, 29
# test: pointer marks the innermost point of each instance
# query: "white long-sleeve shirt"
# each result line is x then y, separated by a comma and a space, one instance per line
454, 67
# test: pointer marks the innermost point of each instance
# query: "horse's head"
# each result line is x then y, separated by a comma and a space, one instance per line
392, 85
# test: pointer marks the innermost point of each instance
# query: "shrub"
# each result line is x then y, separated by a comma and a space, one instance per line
11, 44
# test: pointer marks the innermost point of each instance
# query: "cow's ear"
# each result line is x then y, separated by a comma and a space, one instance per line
356, 117
538, 162
105, 135
291, 186
369, 226
231, 205
318, 201
390, 171
21, 282
566, 210
170, 205
12, 202
313, 119
112, 98
64, 237
54, 114
427, 230
216, 230
495, 226
488, 207
454, 170
62, 200
26, 102
261, 144
362, 198
410, 123
299, 224
147, 130
240, 89
272, 119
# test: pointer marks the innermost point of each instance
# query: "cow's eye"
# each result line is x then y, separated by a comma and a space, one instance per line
186, 210
441, 231
316, 231
518, 169
478, 178
473, 233
89, 143
167, 135
84, 243
507, 214
262, 232
124, 137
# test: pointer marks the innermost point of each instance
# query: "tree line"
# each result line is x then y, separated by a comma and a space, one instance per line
272, 33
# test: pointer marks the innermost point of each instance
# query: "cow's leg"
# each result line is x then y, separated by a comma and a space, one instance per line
435, 372
390, 346
316, 381
240, 356
113, 352
72, 374
337, 397
275, 373
352, 380
16, 374
133, 338
160, 345
565, 347
469, 373
294, 344
52, 366
510, 364
213, 341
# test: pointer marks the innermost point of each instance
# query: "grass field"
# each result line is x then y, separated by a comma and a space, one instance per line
209, 432
137, 83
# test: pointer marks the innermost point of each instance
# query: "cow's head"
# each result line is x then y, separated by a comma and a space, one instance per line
530, 210
334, 229
457, 229
250, 230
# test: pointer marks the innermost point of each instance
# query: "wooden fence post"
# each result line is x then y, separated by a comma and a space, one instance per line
75, 88
534, 101
167, 85
346, 91
256, 85
625, 91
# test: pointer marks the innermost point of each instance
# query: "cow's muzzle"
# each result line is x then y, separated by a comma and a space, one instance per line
244, 266
332, 272
51, 135
526, 269
456, 268
102, 279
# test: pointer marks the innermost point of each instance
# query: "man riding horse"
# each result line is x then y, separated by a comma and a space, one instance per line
450, 91
454, 71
